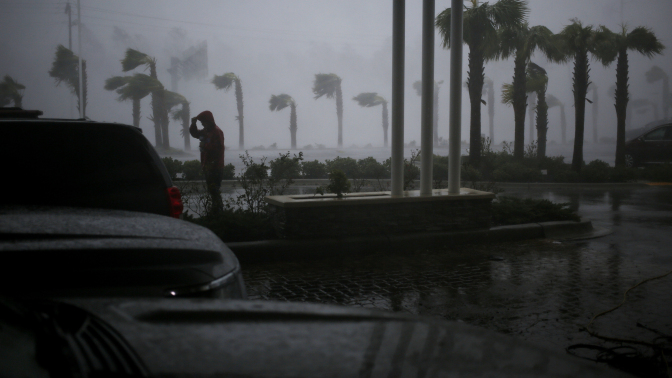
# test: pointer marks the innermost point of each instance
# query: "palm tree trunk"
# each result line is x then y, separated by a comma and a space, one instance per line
542, 124
530, 111
621, 105
491, 112
85, 90
519, 105
580, 89
292, 124
239, 104
136, 111
563, 124
666, 96
186, 118
386, 123
475, 84
164, 120
339, 113
435, 121
156, 110
595, 109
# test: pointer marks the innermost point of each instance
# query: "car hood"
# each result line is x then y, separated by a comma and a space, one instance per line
258, 338
78, 247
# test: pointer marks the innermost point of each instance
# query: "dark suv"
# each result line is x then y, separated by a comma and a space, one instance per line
654, 146
81, 163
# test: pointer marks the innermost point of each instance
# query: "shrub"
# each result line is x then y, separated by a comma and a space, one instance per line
192, 170
596, 171
658, 173
173, 166
314, 169
347, 165
229, 172
285, 167
372, 169
439, 170
510, 210
338, 183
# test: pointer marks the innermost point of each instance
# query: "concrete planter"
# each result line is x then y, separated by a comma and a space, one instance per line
379, 214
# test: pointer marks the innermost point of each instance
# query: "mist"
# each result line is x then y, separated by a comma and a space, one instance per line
278, 47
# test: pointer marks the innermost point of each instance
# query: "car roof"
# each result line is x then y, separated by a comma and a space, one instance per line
13, 114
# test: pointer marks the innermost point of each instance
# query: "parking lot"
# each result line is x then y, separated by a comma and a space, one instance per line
544, 291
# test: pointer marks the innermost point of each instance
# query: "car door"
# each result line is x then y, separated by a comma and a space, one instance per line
666, 148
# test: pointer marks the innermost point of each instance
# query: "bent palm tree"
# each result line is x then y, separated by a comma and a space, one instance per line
655, 74
523, 41
279, 102
132, 59
435, 122
577, 42
646, 43
225, 82
370, 99
330, 85
11, 90
480, 34
552, 102
65, 69
133, 88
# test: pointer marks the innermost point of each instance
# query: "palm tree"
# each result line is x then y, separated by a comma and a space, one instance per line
132, 59
537, 81
225, 82
645, 42
553, 101
11, 90
133, 88
65, 69
171, 100
655, 74
184, 115
330, 85
435, 126
279, 102
480, 24
577, 42
370, 99
523, 40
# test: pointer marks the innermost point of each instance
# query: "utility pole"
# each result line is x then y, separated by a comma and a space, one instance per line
79, 50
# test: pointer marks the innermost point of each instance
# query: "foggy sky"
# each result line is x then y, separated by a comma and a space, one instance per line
278, 47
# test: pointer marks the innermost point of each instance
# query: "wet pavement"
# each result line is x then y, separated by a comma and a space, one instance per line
543, 291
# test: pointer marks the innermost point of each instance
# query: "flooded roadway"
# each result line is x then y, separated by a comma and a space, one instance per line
544, 291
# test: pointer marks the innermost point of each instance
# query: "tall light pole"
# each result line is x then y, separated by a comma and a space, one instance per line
455, 97
79, 51
427, 103
398, 51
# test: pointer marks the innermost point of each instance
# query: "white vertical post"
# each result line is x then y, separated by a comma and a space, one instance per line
427, 108
79, 53
455, 97
398, 51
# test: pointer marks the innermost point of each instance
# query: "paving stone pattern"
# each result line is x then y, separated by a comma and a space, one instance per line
543, 291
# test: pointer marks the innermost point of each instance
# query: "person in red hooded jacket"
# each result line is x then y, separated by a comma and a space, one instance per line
212, 154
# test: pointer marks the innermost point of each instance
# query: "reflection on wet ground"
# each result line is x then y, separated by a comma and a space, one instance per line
543, 291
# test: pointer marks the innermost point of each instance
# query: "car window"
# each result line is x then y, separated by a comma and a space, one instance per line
78, 165
658, 134
668, 133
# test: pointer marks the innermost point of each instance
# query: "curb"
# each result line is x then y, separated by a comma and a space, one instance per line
286, 250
